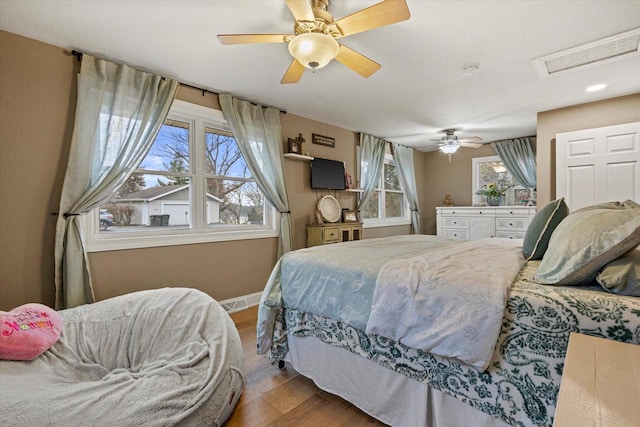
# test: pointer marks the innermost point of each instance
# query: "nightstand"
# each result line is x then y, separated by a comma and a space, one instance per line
600, 384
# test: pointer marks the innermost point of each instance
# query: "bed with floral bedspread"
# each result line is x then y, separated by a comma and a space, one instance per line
521, 384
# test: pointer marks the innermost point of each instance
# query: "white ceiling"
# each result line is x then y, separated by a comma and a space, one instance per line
420, 89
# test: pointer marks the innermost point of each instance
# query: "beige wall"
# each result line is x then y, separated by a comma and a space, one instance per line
36, 117
613, 111
444, 177
37, 107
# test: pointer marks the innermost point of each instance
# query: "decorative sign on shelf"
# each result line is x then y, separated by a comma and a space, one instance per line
323, 140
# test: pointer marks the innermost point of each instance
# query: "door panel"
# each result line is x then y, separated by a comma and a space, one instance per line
598, 165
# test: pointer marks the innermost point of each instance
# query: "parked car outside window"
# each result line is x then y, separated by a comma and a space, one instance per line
106, 219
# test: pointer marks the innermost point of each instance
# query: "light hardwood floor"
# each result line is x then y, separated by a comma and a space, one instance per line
284, 398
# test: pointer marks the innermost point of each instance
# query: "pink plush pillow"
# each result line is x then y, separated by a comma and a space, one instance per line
28, 331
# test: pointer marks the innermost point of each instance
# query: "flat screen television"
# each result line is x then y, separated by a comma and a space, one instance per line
327, 174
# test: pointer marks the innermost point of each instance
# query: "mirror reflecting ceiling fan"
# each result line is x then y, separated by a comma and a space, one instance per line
450, 143
314, 42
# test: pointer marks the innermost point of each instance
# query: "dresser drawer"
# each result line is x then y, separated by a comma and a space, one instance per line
331, 234
512, 224
509, 235
456, 234
455, 222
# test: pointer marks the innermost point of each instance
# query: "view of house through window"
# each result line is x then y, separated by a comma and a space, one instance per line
388, 201
194, 177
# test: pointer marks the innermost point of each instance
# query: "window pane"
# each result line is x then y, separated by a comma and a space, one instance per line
394, 205
391, 180
234, 202
223, 157
170, 150
147, 202
487, 174
371, 208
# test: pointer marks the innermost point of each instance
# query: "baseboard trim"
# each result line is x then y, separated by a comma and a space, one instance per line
240, 303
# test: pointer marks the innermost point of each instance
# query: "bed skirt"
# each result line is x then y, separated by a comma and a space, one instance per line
390, 397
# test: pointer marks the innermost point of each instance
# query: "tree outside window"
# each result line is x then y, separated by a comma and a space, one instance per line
388, 201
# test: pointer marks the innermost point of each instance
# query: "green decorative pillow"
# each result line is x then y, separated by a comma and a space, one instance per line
622, 276
586, 241
536, 239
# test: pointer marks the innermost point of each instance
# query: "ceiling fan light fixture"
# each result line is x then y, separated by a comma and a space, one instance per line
313, 50
450, 148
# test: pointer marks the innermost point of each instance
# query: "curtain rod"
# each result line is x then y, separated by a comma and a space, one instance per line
78, 56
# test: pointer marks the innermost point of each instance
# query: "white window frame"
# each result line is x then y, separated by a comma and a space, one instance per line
199, 118
384, 221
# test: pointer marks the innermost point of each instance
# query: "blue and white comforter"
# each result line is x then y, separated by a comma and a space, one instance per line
447, 301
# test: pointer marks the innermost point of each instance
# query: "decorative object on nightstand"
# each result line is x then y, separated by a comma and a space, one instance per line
330, 209
448, 200
295, 145
349, 216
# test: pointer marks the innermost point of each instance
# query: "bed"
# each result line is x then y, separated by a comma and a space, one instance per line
161, 357
317, 309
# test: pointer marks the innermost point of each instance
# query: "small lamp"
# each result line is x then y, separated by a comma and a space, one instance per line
313, 50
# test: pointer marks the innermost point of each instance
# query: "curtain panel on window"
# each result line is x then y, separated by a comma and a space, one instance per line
119, 111
257, 131
519, 158
371, 165
403, 157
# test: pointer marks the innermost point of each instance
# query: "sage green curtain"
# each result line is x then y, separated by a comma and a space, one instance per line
403, 157
119, 112
257, 131
371, 165
519, 158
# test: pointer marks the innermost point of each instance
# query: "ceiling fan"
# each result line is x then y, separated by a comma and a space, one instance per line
450, 143
314, 42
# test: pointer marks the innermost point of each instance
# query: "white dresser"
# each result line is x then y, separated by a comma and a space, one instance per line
471, 223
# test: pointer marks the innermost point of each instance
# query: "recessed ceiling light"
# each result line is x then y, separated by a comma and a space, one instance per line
595, 88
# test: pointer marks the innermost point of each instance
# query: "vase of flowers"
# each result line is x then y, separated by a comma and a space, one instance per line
493, 193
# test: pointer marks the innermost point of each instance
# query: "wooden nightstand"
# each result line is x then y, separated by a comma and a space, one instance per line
323, 234
600, 384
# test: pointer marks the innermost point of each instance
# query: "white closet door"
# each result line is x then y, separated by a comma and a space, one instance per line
598, 165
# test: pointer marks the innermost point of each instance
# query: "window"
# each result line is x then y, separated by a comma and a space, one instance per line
193, 186
490, 169
387, 205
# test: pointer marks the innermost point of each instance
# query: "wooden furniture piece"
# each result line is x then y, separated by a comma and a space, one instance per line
471, 223
598, 165
600, 384
323, 234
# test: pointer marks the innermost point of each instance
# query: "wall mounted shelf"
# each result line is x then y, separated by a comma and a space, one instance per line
295, 156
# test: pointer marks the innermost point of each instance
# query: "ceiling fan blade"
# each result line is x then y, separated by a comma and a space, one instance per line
471, 139
301, 10
384, 13
252, 38
470, 144
357, 62
293, 74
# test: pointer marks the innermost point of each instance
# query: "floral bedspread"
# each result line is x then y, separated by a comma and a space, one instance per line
522, 382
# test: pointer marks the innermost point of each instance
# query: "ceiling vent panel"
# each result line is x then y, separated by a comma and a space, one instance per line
619, 46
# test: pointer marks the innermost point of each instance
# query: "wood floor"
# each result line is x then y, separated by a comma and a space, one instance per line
284, 398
